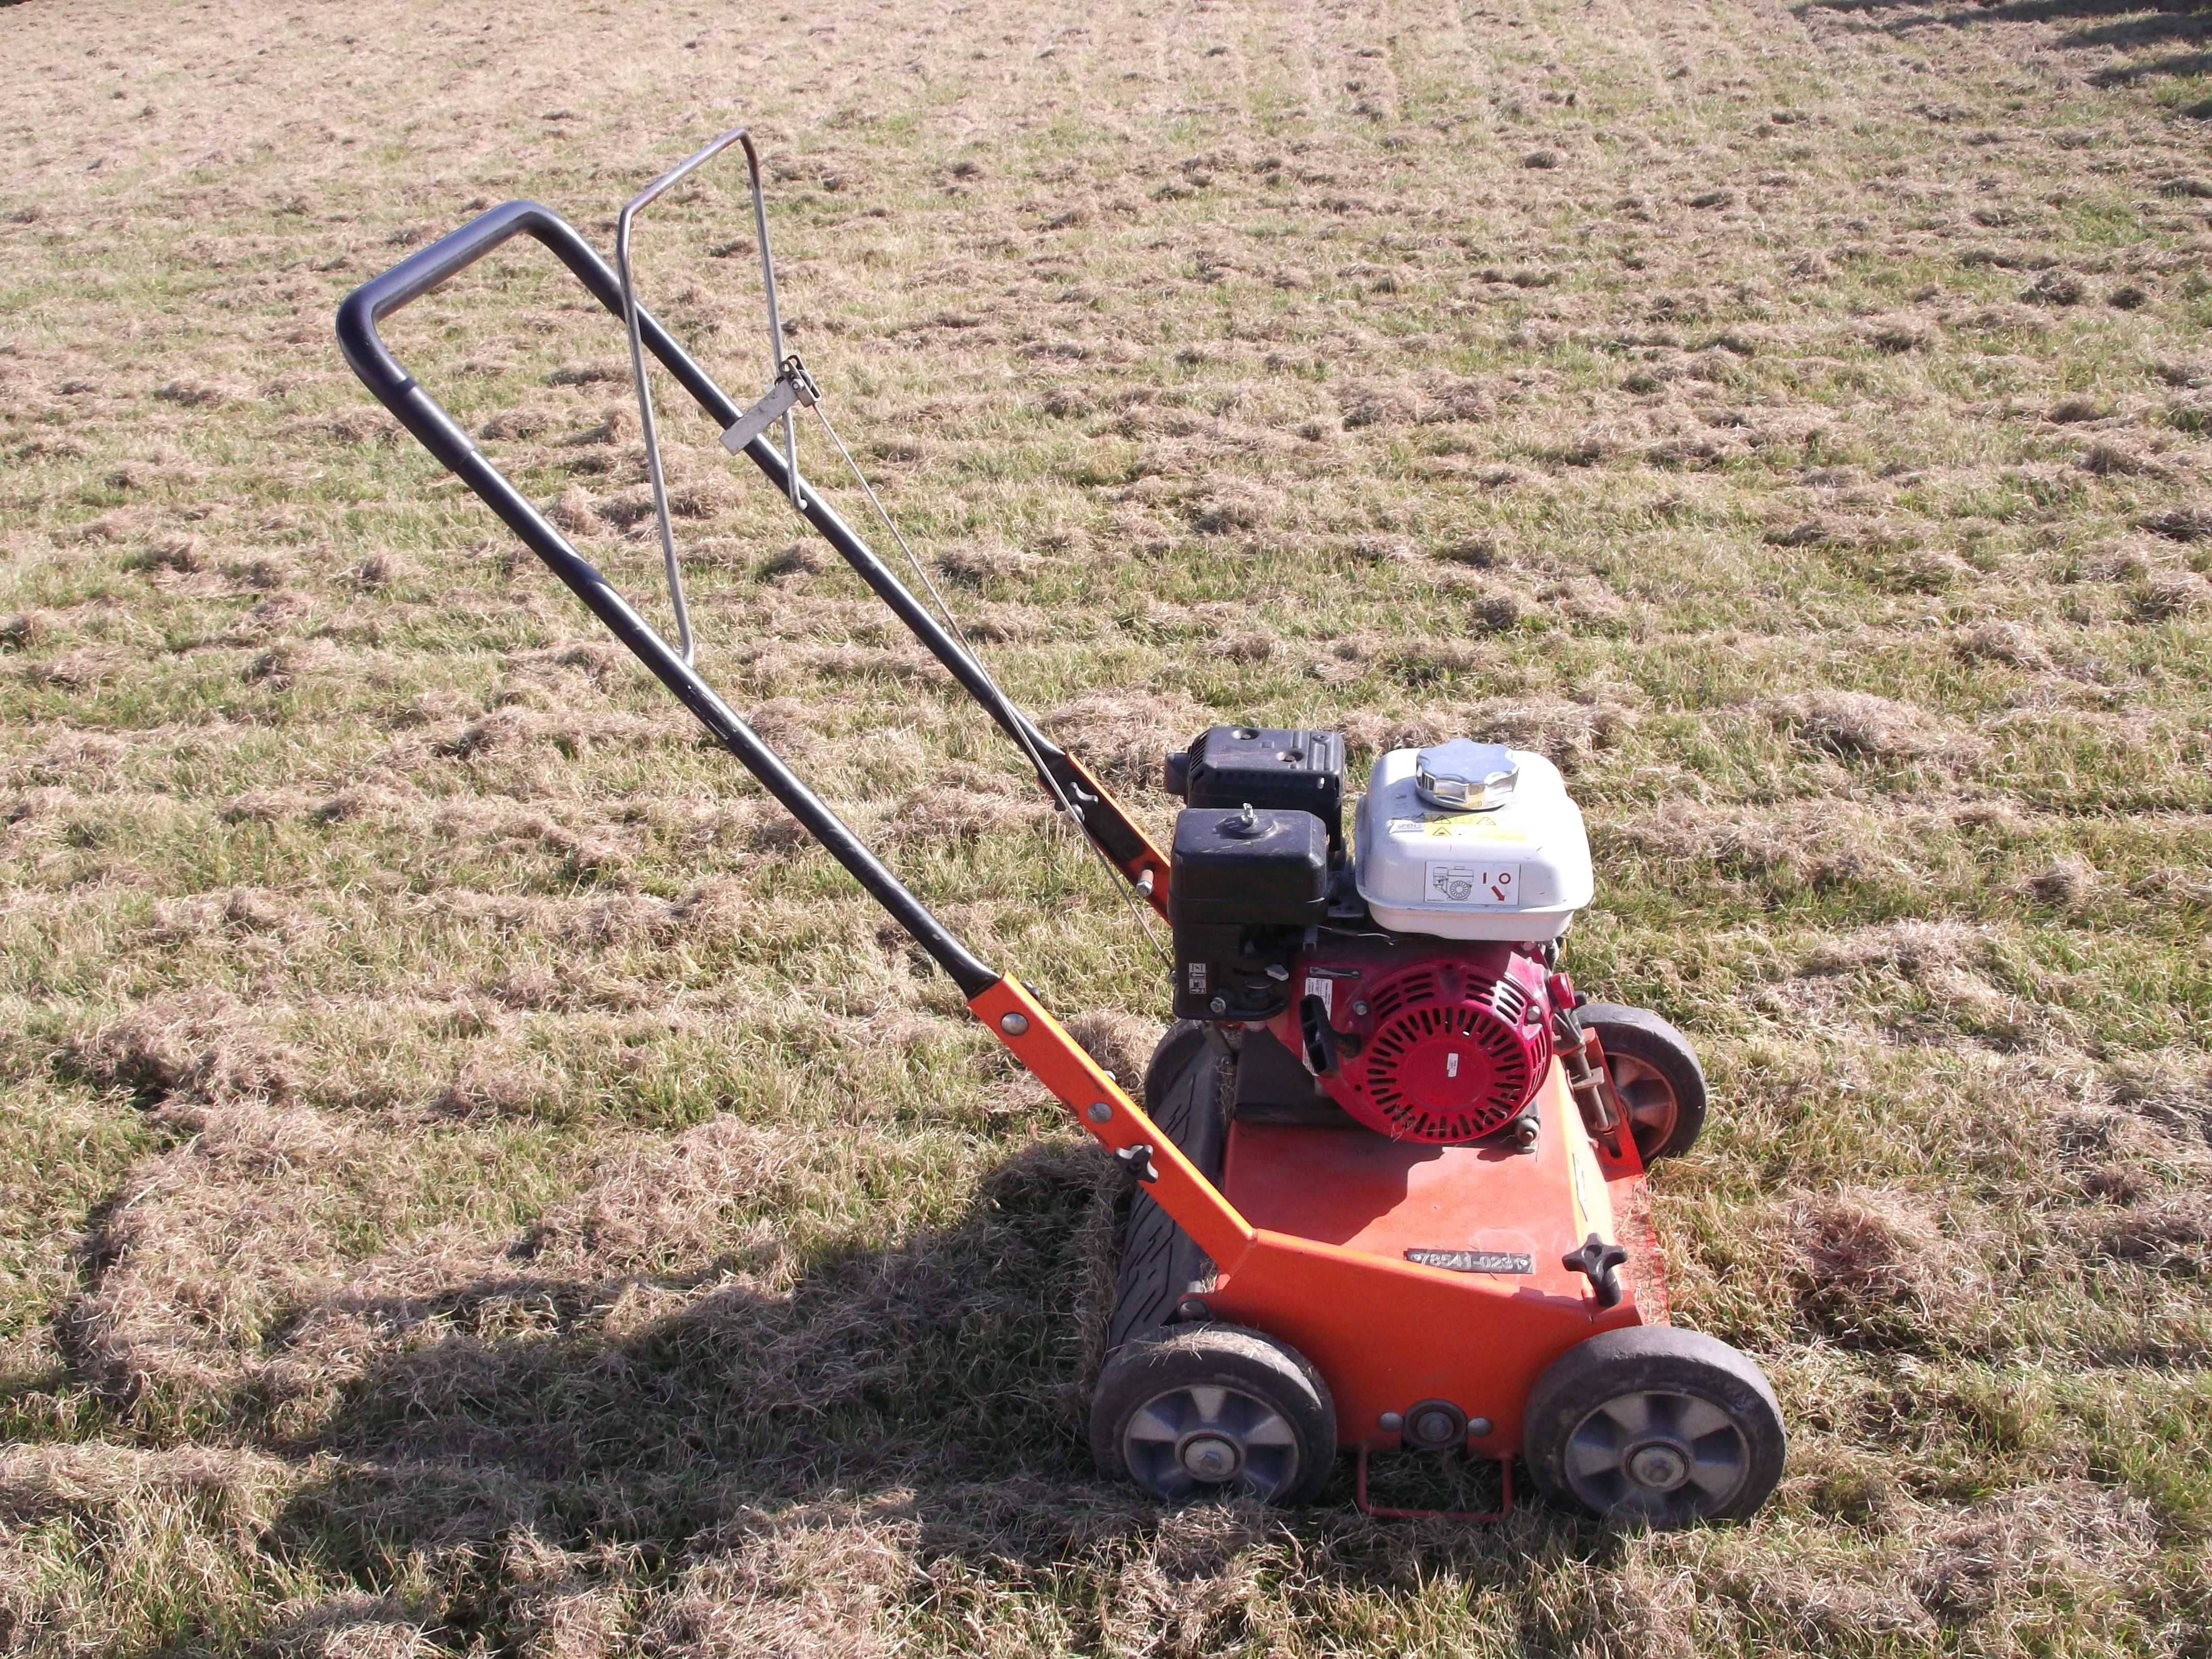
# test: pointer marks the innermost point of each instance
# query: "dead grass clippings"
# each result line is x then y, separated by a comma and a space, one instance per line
351, 1626
1120, 1043
818, 1582
1881, 1268
1994, 1567
1944, 962
205, 1046
2010, 642
671, 1207
2171, 1235
2066, 883
1860, 726
1126, 738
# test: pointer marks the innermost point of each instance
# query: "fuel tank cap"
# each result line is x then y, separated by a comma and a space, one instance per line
1466, 776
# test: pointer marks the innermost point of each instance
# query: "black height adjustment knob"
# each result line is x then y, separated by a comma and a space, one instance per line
1175, 777
1138, 1160
1600, 1263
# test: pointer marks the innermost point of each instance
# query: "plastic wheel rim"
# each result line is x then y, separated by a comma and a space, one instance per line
1210, 1438
1658, 1457
1645, 1096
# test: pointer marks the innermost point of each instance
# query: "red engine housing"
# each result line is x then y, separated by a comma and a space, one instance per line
1440, 1041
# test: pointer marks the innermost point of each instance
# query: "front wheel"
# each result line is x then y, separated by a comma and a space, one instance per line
1655, 1074
1648, 1426
1214, 1410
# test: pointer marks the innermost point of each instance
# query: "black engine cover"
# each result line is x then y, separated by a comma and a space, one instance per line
1286, 771
1244, 886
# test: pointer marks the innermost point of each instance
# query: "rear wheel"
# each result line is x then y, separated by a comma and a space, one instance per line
1214, 1410
1185, 1040
1184, 1086
1655, 1072
1654, 1426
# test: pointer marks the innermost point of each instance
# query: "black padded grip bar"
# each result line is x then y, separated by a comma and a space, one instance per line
437, 431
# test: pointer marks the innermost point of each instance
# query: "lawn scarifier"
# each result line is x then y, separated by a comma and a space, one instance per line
1390, 1168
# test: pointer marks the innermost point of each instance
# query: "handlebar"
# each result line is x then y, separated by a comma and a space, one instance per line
371, 360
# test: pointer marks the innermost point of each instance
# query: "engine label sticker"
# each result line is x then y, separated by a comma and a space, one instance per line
1476, 1261
1460, 826
1491, 885
1325, 989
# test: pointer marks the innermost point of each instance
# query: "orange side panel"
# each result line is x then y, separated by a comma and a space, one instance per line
1319, 1261
1059, 1062
1337, 1209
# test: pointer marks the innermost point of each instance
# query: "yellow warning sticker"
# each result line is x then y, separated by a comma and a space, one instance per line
1465, 826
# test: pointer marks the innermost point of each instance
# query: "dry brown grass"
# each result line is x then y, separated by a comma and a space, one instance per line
472, 1180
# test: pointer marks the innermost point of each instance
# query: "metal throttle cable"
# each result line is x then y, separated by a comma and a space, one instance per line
1010, 716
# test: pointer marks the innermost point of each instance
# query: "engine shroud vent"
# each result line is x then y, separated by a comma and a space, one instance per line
1449, 1048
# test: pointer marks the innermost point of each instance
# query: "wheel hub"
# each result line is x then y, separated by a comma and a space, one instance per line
1210, 1434
1645, 1096
1433, 1428
1210, 1457
1657, 1456
1661, 1465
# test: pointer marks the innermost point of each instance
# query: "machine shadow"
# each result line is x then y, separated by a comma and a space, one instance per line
954, 1363
942, 1384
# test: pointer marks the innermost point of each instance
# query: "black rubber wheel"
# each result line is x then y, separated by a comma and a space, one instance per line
1183, 1086
1174, 1051
1656, 1073
1653, 1426
1214, 1410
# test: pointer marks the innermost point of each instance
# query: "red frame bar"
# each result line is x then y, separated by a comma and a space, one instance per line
1383, 1512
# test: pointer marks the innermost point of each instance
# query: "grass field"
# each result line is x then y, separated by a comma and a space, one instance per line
471, 1182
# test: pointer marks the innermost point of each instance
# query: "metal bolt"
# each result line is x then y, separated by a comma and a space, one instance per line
1209, 1457
1478, 1426
1659, 1465
1099, 1112
1391, 1422
1192, 1307
1013, 1024
1359, 1008
1218, 1006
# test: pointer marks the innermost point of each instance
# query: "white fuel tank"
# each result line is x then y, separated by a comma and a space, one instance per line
1515, 871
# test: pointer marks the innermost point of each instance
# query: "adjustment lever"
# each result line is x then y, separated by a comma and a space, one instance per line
790, 375
793, 387
1600, 1263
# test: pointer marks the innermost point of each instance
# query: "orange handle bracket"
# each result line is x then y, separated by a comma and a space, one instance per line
1117, 834
1059, 1062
